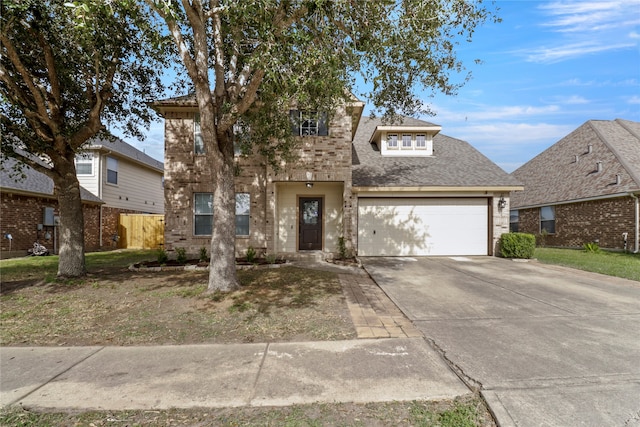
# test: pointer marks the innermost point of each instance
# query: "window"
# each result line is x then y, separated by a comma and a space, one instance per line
84, 164
421, 141
308, 123
203, 214
198, 144
112, 170
243, 207
392, 140
514, 218
548, 219
406, 141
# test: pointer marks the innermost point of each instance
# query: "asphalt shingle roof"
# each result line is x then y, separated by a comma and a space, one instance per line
455, 163
567, 171
34, 182
118, 146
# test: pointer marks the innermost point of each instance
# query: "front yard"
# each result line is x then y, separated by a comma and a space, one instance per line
625, 265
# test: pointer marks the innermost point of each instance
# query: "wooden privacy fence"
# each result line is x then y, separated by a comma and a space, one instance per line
141, 231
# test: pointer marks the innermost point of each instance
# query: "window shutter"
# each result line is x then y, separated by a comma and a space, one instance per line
294, 116
323, 127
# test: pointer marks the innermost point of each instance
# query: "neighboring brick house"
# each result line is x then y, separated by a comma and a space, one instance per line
583, 189
28, 209
125, 178
418, 194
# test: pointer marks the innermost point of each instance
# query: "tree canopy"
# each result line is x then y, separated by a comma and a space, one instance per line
66, 70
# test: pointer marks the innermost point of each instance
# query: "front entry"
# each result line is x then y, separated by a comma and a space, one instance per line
310, 217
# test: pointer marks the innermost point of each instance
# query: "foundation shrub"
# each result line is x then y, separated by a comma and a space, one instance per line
517, 245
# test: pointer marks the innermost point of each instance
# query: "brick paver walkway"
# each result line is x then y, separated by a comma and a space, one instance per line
374, 314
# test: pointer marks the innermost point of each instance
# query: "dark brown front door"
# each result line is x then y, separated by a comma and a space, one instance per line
310, 224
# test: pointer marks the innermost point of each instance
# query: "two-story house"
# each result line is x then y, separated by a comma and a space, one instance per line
403, 189
125, 178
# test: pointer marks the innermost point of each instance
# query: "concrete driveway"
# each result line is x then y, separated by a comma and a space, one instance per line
548, 346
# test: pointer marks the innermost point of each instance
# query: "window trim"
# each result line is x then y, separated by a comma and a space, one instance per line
115, 171
552, 209
84, 159
196, 214
242, 215
410, 140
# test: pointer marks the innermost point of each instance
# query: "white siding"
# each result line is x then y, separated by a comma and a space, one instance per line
422, 226
139, 188
92, 182
287, 214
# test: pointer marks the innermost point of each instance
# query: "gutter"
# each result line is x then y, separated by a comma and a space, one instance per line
637, 217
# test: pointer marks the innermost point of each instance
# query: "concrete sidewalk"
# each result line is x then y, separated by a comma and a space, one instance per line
230, 375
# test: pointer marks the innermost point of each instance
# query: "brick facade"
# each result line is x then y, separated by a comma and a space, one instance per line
602, 221
319, 159
21, 214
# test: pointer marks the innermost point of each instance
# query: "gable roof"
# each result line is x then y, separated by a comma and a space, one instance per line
455, 163
568, 170
34, 183
118, 146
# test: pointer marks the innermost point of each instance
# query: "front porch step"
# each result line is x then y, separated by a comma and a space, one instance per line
307, 256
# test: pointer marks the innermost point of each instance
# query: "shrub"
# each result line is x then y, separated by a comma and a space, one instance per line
162, 256
271, 258
182, 255
591, 247
251, 254
203, 254
517, 245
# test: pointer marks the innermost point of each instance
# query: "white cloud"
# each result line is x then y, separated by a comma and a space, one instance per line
489, 112
633, 100
573, 50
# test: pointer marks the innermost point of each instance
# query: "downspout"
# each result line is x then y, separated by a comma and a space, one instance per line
637, 216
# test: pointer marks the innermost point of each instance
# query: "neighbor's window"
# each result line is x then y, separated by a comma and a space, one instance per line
84, 164
548, 219
112, 170
308, 123
392, 140
242, 213
421, 141
514, 218
198, 144
203, 214
406, 141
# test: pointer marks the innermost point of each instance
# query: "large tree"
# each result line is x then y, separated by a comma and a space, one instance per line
66, 70
248, 60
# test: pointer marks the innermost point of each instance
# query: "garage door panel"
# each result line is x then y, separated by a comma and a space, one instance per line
426, 226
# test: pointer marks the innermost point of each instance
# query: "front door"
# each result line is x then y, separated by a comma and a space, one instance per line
310, 217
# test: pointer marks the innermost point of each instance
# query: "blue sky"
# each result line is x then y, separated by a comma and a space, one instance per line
547, 68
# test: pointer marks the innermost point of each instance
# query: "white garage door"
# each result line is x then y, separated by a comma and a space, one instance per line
422, 226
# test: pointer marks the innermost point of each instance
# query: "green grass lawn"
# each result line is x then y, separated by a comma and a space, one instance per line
47, 266
617, 264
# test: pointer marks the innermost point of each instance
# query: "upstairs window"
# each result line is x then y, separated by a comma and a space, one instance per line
203, 214
406, 141
112, 170
421, 141
243, 207
198, 142
548, 219
392, 140
514, 219
84, 164
308, 123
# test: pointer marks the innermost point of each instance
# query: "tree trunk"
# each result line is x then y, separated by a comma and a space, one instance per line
222, 265
71, 228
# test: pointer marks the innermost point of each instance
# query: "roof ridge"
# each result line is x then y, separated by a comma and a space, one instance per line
621, 159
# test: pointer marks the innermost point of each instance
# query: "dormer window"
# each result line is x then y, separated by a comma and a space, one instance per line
414, 140
406, 140
392, 140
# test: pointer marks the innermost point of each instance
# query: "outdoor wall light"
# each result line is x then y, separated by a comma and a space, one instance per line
309, 184
502, 203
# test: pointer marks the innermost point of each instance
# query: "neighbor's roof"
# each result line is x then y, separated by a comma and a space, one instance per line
34, 183
118, 146
455, 163
568, 170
